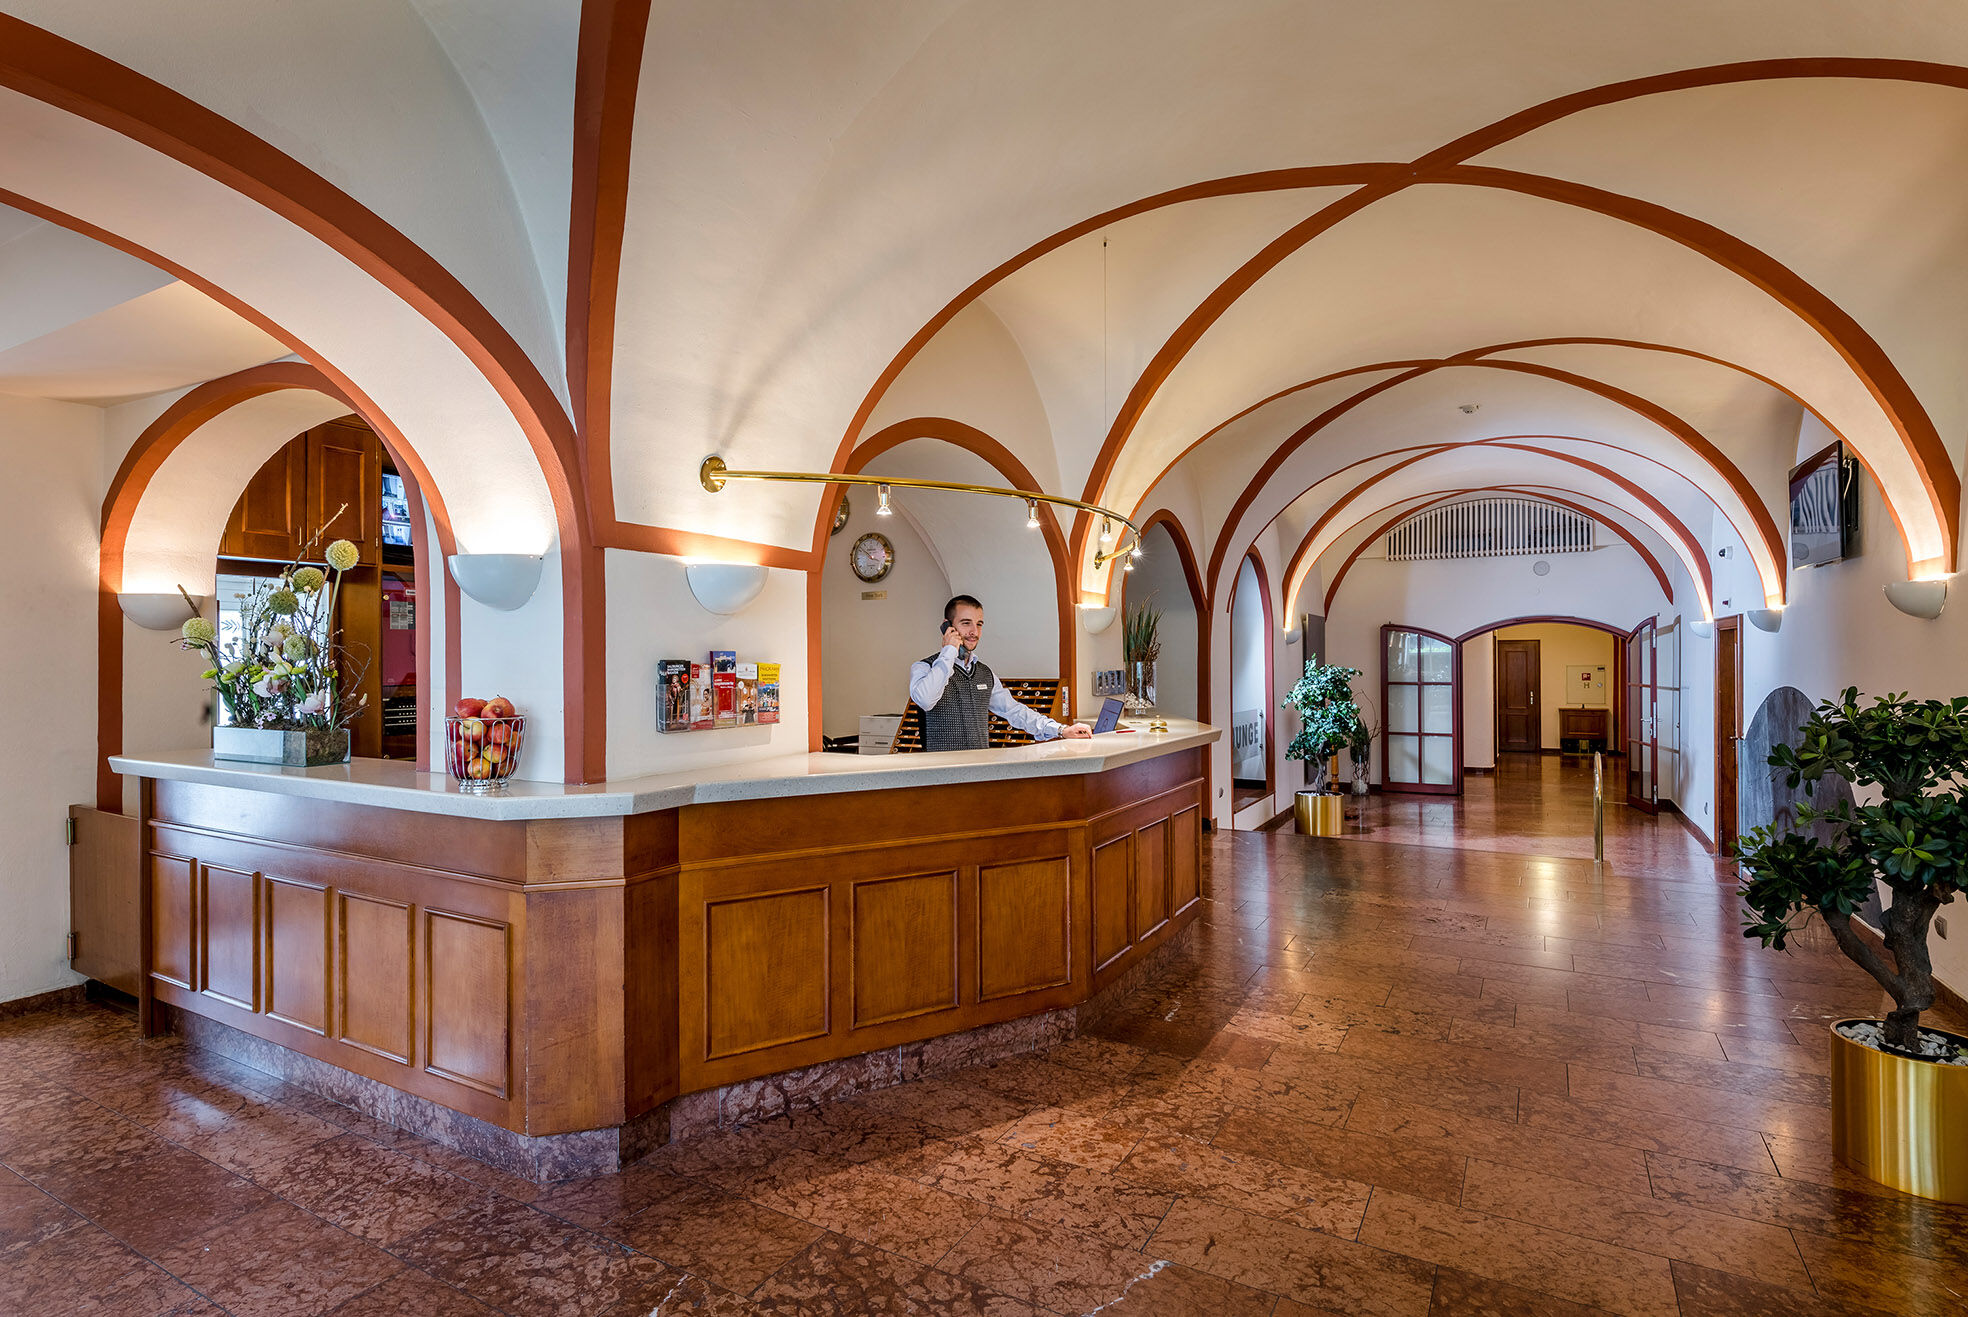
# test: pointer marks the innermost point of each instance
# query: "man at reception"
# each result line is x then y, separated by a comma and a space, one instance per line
958, 692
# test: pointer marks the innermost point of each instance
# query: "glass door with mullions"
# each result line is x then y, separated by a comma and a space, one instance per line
1642, 732
1420, 745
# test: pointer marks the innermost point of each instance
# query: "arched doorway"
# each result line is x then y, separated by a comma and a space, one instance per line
1252, 682
1165, 578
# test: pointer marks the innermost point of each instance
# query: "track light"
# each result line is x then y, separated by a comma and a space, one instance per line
1136, 553
1128, 565
1106, 531
881, 492
1031, 514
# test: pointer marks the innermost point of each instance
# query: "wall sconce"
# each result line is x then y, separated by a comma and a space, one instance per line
1922, 599
1765, 619
1095, 620
1293, 636
159, 612
725, 588
498, 580
1705, 630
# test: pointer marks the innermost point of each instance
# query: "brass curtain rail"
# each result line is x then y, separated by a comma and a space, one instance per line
713, 474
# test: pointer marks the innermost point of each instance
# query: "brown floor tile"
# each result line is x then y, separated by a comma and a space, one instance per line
277, 1262
70, 1137
1047, 1266
1565, 1265
1467, 1061
376, 1193
947, 1105
1385, 1019
838, 1277
1851, 1272
1306, 1265
1099, 1056
1636, 1221
1053, 1193
85, 1271
161, 1200
1648, 1130
1172, 1164
1366, 1158
1705, 1293
1513, 1144
529, 1264
1461, 1294
412, 1294
704, 1230
1067, 1136
592, 1203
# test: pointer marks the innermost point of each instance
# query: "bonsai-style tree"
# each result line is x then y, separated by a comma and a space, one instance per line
1329, 721
1914, 839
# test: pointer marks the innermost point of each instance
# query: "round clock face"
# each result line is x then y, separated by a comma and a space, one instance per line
840, 516
872, 556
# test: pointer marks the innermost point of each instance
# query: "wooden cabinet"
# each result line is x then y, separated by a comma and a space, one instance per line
1584, 725
267, 520
334, 466
344, 476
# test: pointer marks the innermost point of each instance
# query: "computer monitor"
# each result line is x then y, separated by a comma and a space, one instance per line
1110, 715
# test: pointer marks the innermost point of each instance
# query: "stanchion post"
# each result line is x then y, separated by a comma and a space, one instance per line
1598, 807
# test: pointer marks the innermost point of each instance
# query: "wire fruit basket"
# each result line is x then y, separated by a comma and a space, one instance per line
483, 753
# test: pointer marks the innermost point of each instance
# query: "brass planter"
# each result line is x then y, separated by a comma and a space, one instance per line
1319, 813
1899, 1120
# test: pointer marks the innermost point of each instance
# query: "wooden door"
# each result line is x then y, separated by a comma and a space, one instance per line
1642, 733
105, 868
1728, 729
1519, 726
266, 521
1421, 738
345, 473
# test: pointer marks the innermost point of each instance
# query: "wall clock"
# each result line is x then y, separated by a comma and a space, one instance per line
872, 556
840, 516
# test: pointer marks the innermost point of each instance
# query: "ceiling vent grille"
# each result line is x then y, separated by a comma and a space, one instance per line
1490, 528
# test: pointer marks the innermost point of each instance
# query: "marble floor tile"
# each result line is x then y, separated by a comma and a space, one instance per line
278, 1261
1463, 1294
529, 1264
1047, 1266
1070, 1136
1307, 1265
411, 1294
161, 1200
710, 1233
1705, 1293
1175, 1165
1512, 1143
1366, 1158
839, 1277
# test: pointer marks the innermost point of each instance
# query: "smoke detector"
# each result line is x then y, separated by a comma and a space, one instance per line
1469, 408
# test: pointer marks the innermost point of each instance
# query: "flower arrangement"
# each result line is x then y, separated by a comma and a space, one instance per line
286, 670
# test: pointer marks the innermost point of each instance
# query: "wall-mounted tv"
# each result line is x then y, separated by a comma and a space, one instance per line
1824, 508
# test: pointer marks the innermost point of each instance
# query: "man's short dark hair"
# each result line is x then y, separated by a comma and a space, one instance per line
961, 601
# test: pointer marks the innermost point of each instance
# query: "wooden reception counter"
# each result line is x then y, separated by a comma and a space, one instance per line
562, 966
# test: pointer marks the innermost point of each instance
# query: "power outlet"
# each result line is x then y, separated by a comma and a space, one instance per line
1940, 925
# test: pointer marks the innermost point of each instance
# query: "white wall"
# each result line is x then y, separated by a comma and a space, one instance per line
1478, 700
49, 505
1158, 580
652, 615
1248, 688
867, 645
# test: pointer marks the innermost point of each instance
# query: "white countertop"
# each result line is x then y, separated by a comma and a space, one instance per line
395, 784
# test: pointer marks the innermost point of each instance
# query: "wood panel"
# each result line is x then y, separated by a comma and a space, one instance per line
1184, 858
297, 931
747, 1008
1113, 865
1024, 927
1151, 897
904, 940
266, 521
173, 921
374, 953
105, 879
344, 471
229, 925
468, 1001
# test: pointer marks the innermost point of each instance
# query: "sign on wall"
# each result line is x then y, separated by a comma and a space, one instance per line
1585, 685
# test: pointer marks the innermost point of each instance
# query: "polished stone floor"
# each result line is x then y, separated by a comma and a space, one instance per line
1428, 1068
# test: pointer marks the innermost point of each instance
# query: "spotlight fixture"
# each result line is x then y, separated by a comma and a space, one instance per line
1136, 551
1127, 565
881, 492
1031, 514
1106, 531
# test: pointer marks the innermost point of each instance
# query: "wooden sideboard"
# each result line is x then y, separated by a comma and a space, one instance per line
1593, 725
561, 975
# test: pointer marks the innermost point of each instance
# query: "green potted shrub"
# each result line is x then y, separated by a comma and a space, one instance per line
1899, 1092
1329, 721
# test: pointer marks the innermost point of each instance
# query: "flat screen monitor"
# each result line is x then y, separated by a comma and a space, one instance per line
396, 511
1824, 508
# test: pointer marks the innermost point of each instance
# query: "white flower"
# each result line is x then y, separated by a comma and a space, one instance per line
199, 631
308, 579
315, 703
342, 555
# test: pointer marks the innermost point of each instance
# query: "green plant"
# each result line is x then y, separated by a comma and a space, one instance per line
1913, 839
1329, 720
1141, 633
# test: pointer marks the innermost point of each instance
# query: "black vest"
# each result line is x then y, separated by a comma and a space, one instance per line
961, 720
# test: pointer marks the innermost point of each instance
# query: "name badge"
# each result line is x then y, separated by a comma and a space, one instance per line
981, 686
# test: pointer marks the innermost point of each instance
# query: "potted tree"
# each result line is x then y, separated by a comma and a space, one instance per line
1899, 1091
1329, 721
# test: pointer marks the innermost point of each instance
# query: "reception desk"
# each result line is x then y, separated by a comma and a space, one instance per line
557, 977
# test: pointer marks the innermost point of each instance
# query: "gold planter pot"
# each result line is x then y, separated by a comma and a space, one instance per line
1900, 1121
1319, 813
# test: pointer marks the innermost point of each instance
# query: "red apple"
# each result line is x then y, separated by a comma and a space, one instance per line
502, 733
499, 707
469, 708
494, 754
480, 769
472, 729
